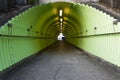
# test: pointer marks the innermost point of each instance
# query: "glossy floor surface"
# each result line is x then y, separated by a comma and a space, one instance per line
62, 61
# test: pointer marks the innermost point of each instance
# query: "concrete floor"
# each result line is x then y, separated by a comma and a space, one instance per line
63, 62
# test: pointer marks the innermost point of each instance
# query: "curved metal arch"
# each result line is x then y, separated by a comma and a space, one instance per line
54, 22
70, 31
71, 24
73, 30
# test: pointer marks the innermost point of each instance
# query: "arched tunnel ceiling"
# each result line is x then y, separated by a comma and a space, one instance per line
49, 19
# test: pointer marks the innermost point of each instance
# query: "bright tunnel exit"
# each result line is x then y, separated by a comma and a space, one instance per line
61, 37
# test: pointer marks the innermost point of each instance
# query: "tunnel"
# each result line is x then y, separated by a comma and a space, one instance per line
83, 26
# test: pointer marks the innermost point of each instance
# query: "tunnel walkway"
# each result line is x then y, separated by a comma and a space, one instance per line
62, 62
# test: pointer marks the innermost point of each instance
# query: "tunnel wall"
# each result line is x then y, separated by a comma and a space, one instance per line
21, 38
99, 34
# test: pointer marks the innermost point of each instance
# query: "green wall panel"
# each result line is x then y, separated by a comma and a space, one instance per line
20, 37
105, 47
102, 41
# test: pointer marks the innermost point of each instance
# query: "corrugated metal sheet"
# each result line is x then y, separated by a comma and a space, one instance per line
102, 36
17, 42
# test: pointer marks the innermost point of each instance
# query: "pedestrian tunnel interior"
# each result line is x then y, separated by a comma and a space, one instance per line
83, 26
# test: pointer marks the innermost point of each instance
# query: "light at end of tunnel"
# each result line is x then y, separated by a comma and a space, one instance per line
64, 22
61, 24
60, 13
61, 36
66, 10
61, 20
65, 18
61, 29
55, 11
57, 18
